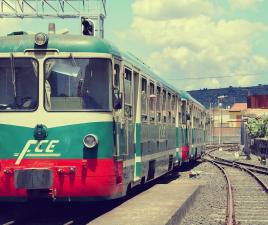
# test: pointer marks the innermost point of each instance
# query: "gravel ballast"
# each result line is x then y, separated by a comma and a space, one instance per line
210, 205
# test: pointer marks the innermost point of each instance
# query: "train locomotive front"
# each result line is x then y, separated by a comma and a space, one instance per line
56, 119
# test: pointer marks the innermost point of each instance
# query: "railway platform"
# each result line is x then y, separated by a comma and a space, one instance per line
161, 204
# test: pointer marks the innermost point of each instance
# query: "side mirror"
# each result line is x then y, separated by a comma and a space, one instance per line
117, 99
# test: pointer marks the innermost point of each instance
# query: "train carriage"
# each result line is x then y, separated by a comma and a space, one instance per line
81, 120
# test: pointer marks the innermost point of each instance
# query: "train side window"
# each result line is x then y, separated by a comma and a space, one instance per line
116, 75
128, 93
144, 101
183, 112
158, 103
180, 115
194, 117
164, 105
169, 107
152, 101
174, 108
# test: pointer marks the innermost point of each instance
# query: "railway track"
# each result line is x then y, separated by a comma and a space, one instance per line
250, 197
251, 167
230, 214
247, 192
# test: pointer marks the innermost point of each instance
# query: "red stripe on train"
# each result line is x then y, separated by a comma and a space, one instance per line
185, 153
71, 177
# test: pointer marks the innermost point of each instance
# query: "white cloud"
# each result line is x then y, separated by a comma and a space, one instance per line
8, 26
198, 45
244, 4
167, 9
197, 32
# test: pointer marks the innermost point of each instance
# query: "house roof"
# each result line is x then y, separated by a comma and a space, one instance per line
237, 107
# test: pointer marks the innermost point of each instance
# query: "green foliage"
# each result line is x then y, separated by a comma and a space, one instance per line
258, 127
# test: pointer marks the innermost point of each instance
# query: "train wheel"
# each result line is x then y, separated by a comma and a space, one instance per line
129, 189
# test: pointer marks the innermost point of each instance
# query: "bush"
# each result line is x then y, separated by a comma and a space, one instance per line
258, 127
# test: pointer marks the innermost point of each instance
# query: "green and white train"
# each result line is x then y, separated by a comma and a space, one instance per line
81, 120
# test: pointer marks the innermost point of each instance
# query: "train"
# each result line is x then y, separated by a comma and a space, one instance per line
81, 120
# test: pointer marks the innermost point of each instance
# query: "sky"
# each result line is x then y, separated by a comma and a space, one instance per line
193, 44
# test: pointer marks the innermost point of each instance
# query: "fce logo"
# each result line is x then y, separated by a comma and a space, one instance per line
44, 148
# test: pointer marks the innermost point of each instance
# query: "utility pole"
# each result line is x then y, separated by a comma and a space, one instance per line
213, 124
220, 105
91, 10
210, 124
221, 128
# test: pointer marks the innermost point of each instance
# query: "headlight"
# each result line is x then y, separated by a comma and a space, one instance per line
41, 39
90, 141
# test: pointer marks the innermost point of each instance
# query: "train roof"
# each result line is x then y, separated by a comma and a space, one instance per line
187, 96
66, 43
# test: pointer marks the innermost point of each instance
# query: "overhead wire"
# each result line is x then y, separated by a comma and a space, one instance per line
211, 77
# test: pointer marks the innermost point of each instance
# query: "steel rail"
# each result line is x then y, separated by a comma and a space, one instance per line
69, 222
9, 223
230, 213
244, 166
265, 188
253, 168
248, 168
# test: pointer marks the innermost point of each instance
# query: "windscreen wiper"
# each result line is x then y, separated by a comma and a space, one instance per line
13, 75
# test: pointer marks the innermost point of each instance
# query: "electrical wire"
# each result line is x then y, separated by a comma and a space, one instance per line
211, 77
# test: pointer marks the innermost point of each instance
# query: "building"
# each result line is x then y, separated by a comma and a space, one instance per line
226, 124
258, 101
235, 114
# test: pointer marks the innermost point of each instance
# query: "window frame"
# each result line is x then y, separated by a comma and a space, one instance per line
169, 107
115, 75
164, 105
84, 58
38, 84
159, 112
144, 116
173, 108
153, 99
131, 117
184, 103
179, 102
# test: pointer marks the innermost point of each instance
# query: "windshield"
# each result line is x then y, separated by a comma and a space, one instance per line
78, 84
18, 84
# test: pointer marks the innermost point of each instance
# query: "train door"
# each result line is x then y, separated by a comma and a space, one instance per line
178, 131
127, 120
137, 123
119, 117
124, 121
185, 131
190, 129
128, 112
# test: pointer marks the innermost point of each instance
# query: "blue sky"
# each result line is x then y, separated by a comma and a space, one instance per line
191, 43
